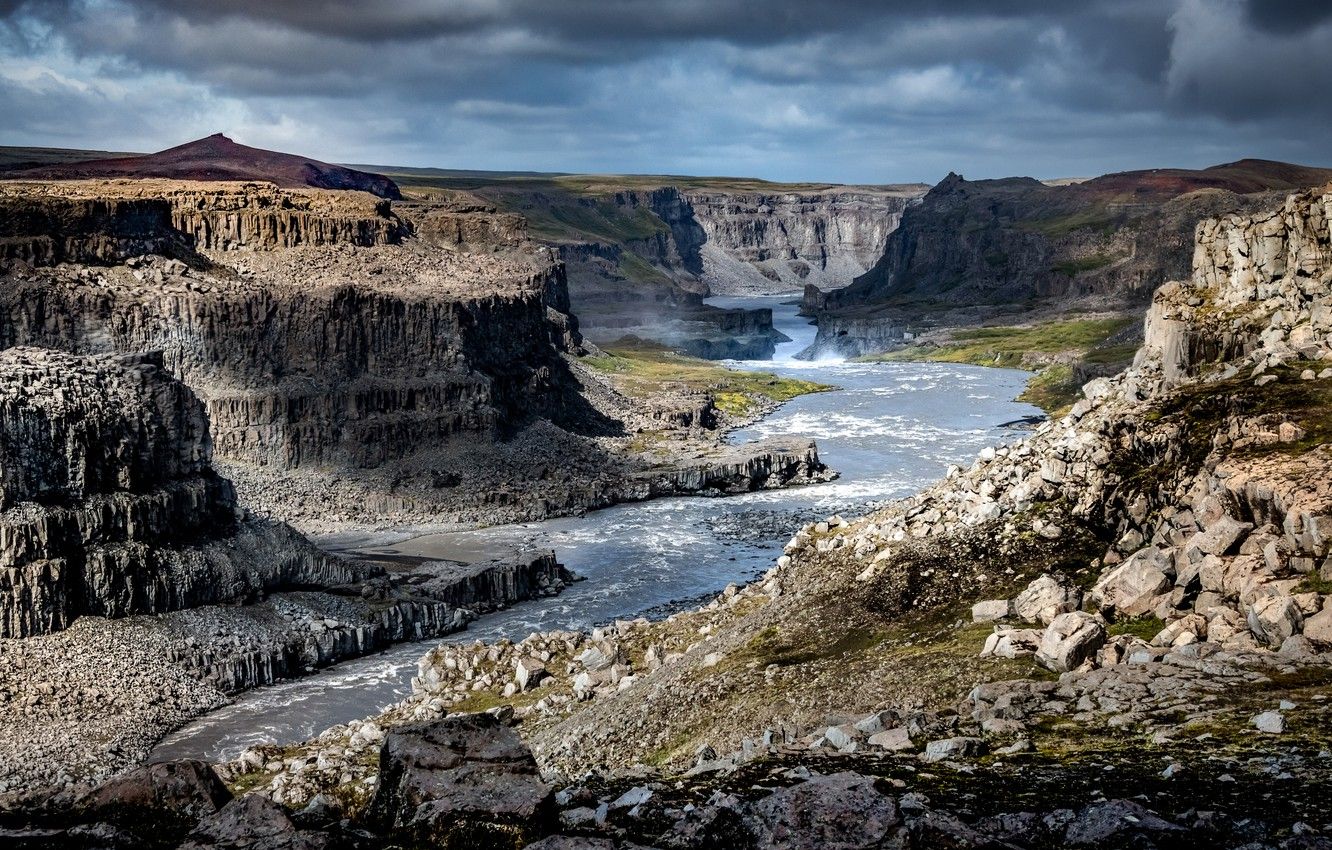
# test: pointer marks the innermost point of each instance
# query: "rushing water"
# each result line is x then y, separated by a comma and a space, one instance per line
889, 429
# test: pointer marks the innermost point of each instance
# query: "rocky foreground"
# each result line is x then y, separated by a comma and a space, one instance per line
1113, 633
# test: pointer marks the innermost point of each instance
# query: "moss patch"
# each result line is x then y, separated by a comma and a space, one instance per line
1141, 627
642, 369
1055, 387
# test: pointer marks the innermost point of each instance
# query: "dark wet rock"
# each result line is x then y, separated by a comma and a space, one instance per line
571, 842
253, 822
169, 793
843, 811
1121, 823
463, 781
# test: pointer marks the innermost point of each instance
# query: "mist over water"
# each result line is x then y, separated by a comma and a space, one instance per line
890, 429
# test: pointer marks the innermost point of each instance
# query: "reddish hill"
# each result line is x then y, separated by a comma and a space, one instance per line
219, 158
1243, 178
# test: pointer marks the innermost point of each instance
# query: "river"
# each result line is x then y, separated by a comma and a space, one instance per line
889, 429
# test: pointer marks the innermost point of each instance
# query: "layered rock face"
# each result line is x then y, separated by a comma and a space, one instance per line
646, 268
90, 222
1269, 269
758, 243
322, 343
110, 506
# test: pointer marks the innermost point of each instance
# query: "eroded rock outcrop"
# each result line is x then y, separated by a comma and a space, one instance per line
90, 222
323, 343
1005, 245
110, 504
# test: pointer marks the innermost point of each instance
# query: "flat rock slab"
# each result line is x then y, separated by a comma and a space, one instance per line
468, 777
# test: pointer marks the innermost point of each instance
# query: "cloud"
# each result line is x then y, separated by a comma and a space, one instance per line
849, 90
1221, 66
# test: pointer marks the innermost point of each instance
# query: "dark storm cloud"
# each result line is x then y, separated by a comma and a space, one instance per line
836, 90
1287, 16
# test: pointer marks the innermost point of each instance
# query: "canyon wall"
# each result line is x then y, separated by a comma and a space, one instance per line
110, 505
78, 222
1017, 244
1270, 270
647, 267
740, 242
305, 353
761, 242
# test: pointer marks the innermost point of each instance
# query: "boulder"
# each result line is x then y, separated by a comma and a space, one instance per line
894, 740
991, 610
1220, 536
1069, 640
528, 672
1046, 598
1120, 823
952, 748
171, 793
1270, 722
1318, 628
1274, 618
1011, 643
462, 779
1136, 586
844, 811
253, 822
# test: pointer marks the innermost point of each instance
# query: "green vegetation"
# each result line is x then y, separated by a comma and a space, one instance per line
1146, 627
769, 647
635, 268
1093, 218
1074, 267
1011, 345
565, 217
1056, 386
1054, 389
600, 184
642, 368
1314, 583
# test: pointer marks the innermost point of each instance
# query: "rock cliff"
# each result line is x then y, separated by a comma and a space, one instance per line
314, 339
43, 224
110, 505
642, 260
120, 544
1006, 245
761, 243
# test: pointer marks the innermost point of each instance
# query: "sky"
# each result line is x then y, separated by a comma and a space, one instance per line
795, 90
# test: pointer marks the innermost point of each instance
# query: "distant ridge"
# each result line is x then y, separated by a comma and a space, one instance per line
217, 157
1242, 177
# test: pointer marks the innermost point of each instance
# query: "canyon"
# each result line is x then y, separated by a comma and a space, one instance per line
1135, 591
193, 369
642, 255
325, 337
1113, 628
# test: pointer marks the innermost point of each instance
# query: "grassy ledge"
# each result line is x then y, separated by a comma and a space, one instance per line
1052, 349
644, 369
